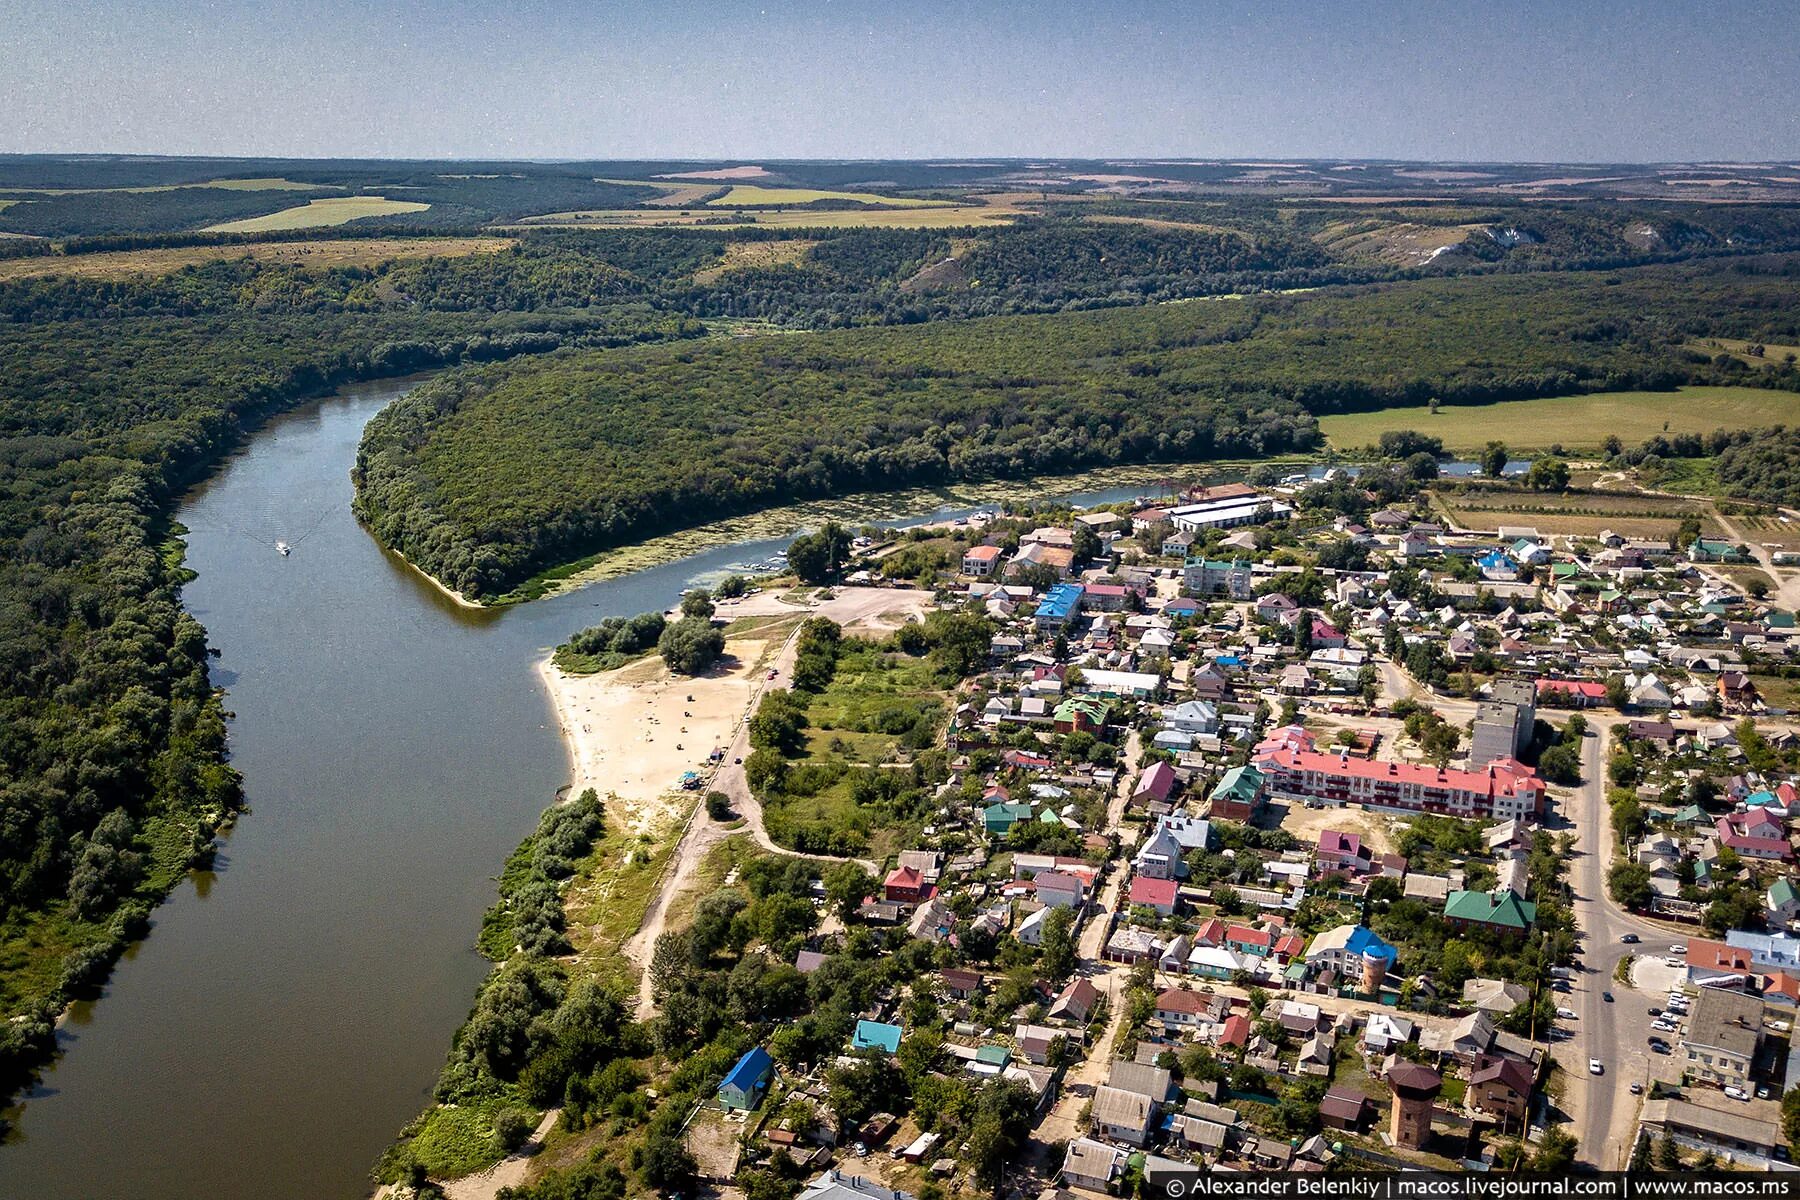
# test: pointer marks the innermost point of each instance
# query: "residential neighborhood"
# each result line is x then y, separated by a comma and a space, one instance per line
1267, 844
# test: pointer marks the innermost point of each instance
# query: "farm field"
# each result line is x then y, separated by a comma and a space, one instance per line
335, 210
349, 252
1576, 514
1577, 422
745, 195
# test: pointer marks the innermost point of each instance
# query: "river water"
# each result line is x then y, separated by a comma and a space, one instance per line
291, 1008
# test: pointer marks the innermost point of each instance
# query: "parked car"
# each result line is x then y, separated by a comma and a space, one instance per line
1637, 1089
1655, 1012
1737, 1093
1567, 1014
1673, 962
1594, 1067
1659, 1047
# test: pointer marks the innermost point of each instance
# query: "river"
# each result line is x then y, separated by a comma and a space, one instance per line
291, 1008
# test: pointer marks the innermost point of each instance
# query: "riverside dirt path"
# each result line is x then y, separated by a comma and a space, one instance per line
856, 609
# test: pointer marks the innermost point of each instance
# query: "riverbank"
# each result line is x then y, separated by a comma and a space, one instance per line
866, 507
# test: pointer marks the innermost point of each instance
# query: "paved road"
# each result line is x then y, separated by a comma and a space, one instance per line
1617, 1034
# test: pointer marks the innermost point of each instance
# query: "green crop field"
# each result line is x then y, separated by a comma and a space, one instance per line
750, 196
331, 211
1578, 422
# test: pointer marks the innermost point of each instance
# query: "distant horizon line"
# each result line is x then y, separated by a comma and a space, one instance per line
1153, 159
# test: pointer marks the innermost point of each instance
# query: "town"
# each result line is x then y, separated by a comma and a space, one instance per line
1266, 832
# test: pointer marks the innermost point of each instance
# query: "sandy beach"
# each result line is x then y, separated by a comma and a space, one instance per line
634, 731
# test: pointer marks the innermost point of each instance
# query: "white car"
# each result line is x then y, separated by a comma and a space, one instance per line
1567, 1014
1594, 1067
1673, 962
1737, 1093
1677, 947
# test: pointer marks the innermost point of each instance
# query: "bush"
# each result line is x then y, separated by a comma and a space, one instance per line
513, 1126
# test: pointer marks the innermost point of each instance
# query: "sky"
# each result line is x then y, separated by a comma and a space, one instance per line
1459, 80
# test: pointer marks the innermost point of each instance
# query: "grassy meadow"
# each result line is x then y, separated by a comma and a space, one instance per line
334, 210
1577, 422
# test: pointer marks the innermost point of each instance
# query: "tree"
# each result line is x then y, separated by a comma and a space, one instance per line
731, 587
1086, 545
718, 806
1790, 1119
691, 645
1547, 474
696, 603
1668, 1156
1629, 884
1556, 1152
820, 557
997, 1133
1057, 949
666, 1162
847, 885
1493, 460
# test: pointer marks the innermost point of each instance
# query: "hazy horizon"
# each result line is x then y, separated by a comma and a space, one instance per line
1516, 81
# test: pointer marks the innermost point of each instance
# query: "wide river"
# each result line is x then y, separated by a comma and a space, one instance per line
291, 1008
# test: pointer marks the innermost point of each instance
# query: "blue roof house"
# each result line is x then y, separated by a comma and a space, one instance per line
874, 1035
1059, 606
1496, 566
744, 1087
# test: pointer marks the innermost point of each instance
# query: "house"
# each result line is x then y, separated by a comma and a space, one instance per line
1074, 1005
1122, 1116
1343, 1107
1259, 943
1501, 912
1177, 544
1155, 785
960, 983
999, 818
1722, 1038
1080, 714
1058, 607
876, 1035
980, 561
1384, 1032
1160, 857
904, 885
1356, 953
1340, 852
1736, 691
1192, 716
747, 1082
1159, 895
1146, 1079
1754, 834
1570, 693
1035, 1042
1501, 1087
1782, 900
1088, 1164
1315, 1055
1180, 1008
1471, 1036
1714, 1128
1497, 996
1238, 795
1713, 550
1059, 889
835, 1185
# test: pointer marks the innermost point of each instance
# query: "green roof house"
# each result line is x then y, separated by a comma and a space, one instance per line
1501, 911
999, 818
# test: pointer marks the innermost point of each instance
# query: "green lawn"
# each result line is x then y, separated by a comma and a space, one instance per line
1577, 422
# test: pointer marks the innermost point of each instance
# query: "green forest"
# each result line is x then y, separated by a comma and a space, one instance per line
488, 476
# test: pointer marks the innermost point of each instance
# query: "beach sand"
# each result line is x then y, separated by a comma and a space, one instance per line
632, 732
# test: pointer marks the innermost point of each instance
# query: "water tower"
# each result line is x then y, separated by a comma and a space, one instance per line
1415, 1087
